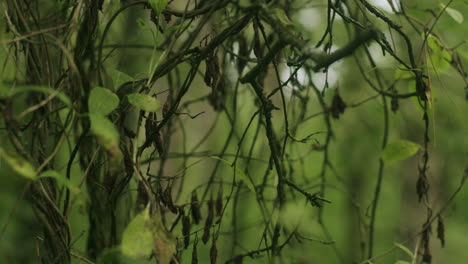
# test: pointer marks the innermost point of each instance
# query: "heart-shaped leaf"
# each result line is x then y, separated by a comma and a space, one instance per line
137, 239
102, 101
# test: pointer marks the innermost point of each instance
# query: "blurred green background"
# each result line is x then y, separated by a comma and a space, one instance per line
353, 152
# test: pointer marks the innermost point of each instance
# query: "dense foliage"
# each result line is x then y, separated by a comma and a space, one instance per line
187, 131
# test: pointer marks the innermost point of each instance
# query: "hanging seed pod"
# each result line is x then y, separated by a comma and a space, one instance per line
160, 194
169, 201
206, 233
441, 230
194, 252
394, 104
219, 202
243, 54
338, 106
257, 47
142, 197
166, 107
212, 70
186, 230
217, 97
208, 222
213, 252
150, 125
195, 208
158, 143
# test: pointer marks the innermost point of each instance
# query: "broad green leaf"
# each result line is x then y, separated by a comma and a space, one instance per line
402, 262
137, 239
118, 78
241, 174
158, 5
404, 249
7, 92
19, 165
439, 59
399, 150
60, 179
453, 13
105, 132
146, 234
144, 102
115, 255
102, 101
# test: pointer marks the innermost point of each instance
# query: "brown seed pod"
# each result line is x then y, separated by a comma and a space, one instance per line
441, 230
158, 143
195, 208
186, 226
338, 106
213, 252
169, 201
194, 252
394, 104
142, 197
257, 47
166, 106
208, 222
219, 202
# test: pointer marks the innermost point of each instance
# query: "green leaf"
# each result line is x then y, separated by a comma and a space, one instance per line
404, 249
158, 5
144, 102
114, 255
42, 89
453, 13
242, 175
105, 132
399, 150
118, 78
402, 262
137, 239
102, 101
439, 58
146, 234
60, 179
19, 165
282, 17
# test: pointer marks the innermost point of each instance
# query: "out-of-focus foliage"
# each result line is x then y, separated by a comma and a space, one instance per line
304, 131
